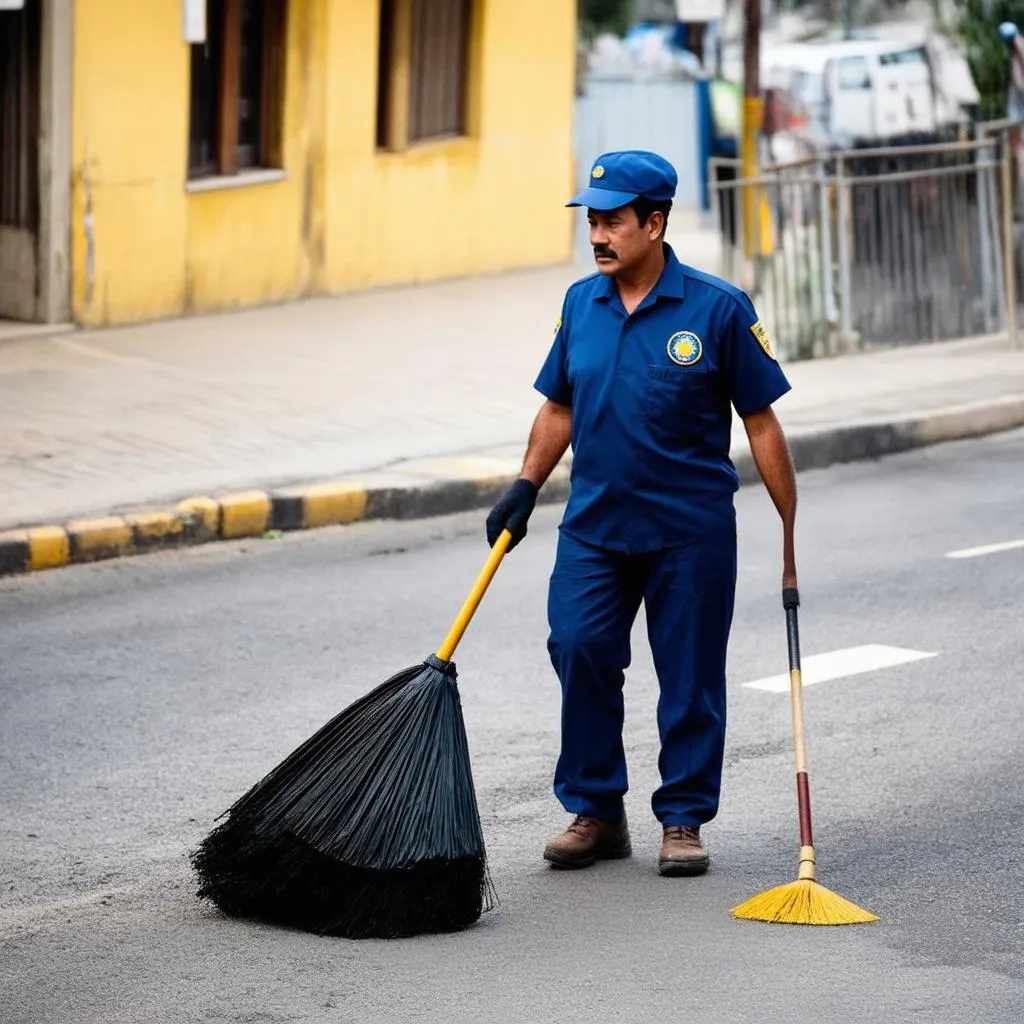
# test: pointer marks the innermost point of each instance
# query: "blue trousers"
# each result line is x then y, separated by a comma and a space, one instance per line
593, 600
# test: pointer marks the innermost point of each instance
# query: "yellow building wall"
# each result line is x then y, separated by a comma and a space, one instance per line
129, 220
346, 216
254, 244
492, 201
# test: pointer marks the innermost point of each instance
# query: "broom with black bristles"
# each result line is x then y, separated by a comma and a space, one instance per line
369, 829
804, 901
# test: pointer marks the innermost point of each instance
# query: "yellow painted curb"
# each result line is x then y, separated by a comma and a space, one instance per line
154, 527
100, 538
206, 510
49, 547
244, 515
332, 505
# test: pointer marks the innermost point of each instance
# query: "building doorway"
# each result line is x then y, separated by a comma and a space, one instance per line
35, 184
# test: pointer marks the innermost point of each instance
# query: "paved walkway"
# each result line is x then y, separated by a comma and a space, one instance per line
362, 385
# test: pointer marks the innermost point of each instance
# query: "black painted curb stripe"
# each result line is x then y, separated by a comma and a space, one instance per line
287, 512
15, 557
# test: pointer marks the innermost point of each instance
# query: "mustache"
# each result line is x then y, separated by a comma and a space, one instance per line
605, 250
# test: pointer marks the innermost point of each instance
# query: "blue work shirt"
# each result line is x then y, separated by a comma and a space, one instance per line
651, 395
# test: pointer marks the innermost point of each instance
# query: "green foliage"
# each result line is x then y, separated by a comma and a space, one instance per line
977, 24
596, 16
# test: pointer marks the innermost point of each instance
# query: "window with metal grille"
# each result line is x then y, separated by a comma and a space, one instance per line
237, 88
423, 70
437, 77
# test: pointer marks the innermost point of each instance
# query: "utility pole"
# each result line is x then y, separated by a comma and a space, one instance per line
847, 19
753, 117
695, 31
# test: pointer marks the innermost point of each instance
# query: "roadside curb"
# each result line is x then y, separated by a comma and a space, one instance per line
253, 513
875, 438
202, 520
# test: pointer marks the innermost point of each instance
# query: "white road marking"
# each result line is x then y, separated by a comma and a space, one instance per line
987, 549
851, 661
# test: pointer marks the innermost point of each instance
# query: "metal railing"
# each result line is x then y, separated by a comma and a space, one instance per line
874, 247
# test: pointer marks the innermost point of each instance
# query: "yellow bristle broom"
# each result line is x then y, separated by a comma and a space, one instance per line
804, 901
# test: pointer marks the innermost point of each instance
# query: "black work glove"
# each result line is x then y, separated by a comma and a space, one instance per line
512, 512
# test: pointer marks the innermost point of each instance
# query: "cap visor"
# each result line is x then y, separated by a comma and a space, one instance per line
602, 199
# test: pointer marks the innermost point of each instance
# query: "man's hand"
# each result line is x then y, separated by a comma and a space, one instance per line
549, 438
512, 512
772, 458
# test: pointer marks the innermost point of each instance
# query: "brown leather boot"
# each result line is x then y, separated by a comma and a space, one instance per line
587, 840
682, 852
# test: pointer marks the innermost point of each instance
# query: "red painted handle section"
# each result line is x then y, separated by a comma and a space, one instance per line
803, 799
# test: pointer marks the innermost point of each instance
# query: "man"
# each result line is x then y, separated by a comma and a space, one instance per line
1015, 85
1014, 89
647, 358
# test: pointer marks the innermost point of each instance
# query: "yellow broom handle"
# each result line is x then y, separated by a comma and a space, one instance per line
451, 641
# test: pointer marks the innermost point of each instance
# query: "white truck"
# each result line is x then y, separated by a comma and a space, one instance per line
867, 91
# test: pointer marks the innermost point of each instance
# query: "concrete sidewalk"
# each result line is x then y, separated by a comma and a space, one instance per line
393, 390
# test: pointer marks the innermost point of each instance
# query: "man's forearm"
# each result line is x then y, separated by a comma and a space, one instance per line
774, 463
549, 439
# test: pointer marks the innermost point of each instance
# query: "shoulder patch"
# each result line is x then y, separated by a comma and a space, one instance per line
760, 332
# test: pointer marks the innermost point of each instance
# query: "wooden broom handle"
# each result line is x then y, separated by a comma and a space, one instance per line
451, 641
799, 742
791, 601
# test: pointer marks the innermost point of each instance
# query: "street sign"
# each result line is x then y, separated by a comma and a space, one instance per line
193, 16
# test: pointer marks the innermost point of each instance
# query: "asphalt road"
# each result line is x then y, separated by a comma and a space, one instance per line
139, 698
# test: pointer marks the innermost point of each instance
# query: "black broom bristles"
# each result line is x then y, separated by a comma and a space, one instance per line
370, 828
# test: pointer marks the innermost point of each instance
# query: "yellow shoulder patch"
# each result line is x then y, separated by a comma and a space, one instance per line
760, 332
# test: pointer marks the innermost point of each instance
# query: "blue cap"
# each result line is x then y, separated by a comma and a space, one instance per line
619, 178
1008, 30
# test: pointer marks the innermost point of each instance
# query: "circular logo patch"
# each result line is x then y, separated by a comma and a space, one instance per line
684, 348
597, 172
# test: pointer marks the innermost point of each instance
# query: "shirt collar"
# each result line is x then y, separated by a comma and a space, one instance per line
668, 286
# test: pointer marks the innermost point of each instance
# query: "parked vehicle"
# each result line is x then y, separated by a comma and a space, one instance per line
859, 92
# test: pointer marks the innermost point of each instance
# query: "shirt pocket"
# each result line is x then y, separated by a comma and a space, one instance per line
679, 403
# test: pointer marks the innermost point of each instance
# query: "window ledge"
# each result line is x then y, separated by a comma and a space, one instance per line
216, 183
438, 145
440, 141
